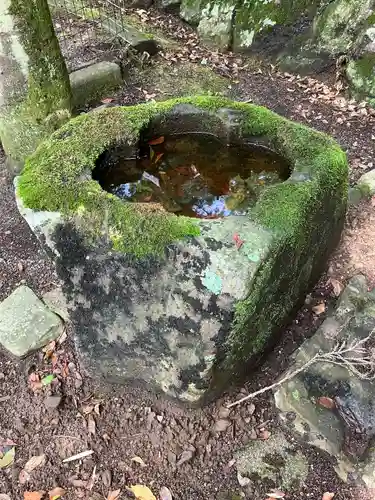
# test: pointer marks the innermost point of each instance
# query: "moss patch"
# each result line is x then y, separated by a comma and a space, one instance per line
182, 79
33, 113
57, 177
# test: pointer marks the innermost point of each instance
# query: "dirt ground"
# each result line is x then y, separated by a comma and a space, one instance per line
119, 424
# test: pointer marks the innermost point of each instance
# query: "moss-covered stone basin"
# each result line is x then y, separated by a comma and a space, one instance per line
176, 302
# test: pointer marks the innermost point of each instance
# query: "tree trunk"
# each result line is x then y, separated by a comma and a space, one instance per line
35, 94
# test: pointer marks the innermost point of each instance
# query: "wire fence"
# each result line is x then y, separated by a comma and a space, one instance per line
88, 29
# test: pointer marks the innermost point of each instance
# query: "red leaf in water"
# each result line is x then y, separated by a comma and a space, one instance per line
326, 402
237, 240
158, 140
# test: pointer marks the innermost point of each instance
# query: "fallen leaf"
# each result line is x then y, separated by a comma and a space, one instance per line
56, 493
34, 381
33, 495
221, 425
142, 492
319, 308
107, 100
35, 462
165, 494
62, 337
237, 240
328, 496
91, 425
48, 379
276, 494
24, 477
113, 495
20, 267
326, 402
264, 434
337, 286
8, 458
49, 349
159, 140
139, 461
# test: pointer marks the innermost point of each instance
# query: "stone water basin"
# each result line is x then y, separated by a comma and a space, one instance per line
186, 233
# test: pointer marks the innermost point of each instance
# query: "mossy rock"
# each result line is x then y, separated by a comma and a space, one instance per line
256, 16
171, 301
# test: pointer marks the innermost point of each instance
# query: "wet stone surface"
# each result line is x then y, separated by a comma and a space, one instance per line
197, 175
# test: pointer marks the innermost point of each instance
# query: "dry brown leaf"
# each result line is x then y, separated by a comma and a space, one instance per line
49, 349
35, 462
328, 496
139, 461
56, 493
165, 493
319, 308
337, 286
33, 495
142, 492
91, 425
326, 402
113, 495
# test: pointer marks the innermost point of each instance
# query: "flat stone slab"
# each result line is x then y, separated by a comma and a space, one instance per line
328, 406
274, 461
26, 324
93, 82
169, 301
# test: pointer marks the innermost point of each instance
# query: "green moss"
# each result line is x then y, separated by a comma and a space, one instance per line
181, 79
48, 90
57, 177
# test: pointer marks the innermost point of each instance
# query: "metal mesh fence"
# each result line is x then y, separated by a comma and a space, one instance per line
87, 29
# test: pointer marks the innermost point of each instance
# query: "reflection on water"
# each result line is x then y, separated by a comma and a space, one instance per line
193, 174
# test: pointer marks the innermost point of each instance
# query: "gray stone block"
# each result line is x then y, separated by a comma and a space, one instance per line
26, 324
93, 82
366, 183
275, 461
327, 405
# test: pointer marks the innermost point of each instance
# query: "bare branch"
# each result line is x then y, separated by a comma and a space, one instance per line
355, 357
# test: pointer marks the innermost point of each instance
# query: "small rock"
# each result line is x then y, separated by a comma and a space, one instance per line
52, 402
253, 434
185, 457
224, 412
221, 425
21, 267
107, 478
172, 458
242, 480
26, 324
251, 408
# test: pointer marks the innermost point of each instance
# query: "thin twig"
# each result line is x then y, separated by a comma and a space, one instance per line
341, 355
